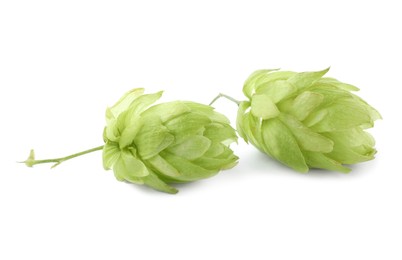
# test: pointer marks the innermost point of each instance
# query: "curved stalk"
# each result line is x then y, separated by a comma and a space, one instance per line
225, 96
31, 159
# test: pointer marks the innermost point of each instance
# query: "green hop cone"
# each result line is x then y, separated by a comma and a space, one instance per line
305, 120
172, 142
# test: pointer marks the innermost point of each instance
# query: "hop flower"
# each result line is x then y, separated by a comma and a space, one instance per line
172, 142
306, 121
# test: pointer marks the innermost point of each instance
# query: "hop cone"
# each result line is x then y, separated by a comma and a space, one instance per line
172, 142
306, 121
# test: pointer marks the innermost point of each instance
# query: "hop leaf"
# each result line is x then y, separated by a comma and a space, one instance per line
172, 142
306, 121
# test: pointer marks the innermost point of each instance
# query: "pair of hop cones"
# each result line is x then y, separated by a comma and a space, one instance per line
303, 120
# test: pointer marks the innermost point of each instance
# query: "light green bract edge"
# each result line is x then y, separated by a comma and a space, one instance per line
305, 120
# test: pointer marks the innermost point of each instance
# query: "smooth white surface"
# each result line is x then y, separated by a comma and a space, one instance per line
63, 62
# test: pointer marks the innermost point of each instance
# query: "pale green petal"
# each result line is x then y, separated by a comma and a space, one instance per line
109, 115
104, 135
218, 133
355, 137
319, 160
130, 132
315, 118
227, 153
351, 156
243, 107
111, 153
207, 111
250, 83
214, 150
252, 129
123, 103
217, 163
142, 103
230, 158
136, 180
337, 83
346, 113
119, 123
368, 139
350, 147
277, 90
273, 76
162, 166
189, 124
306, 79
366, 150
263, 107
281, 144
306, 138
191, 148
330, 93
152, 139
304, 104
189, 171
373, 113
218, 118
154, 182
167, 111
199, 108
129, 168
111, 132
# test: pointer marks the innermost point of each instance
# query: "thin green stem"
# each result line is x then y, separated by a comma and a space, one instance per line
31, 159
225, 96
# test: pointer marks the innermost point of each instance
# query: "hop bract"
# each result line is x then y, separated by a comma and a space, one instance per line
305, 120
171, 142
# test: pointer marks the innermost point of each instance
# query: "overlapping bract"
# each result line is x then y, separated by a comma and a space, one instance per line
166, 143
305, 120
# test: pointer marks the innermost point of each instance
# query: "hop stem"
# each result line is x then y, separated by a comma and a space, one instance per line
225, 96
31, 159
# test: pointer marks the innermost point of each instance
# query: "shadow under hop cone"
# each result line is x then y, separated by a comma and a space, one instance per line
305, 120
172, 142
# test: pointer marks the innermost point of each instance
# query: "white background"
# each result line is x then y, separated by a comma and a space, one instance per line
63, 62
